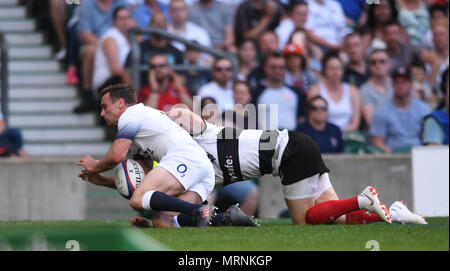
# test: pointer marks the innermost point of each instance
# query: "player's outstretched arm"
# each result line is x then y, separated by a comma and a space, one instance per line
97, 179
187, 119
115, 155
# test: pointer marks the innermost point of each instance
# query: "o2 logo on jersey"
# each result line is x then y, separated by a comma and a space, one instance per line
182, 168
229, 165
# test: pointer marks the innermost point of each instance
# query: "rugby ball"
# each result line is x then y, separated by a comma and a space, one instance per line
129, 174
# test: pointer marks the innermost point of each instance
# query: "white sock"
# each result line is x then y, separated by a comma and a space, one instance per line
146, 200
175, 222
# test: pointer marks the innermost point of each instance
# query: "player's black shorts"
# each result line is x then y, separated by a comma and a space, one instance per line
301, 159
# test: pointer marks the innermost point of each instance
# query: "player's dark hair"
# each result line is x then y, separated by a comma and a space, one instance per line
124, 91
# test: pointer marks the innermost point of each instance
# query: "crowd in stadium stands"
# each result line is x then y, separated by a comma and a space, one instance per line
377, 67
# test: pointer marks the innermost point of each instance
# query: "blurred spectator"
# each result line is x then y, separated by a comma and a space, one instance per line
73, 47
438, 15
11, 141
268, 44
194, 79
239, 116
378, 89
312, 52
96, 17
402, 53
180, 26
220, 88
414, 17
144, 11
327, 135
435, 126
297, 74
396, 124
440, 54
112, 53
296, 19
356, 71
253, 17
275, 92
58, 15
326, 23
366, 38
210, 111
247, 57
378, 15
343, 99
165, 88
158, 45
421, 87
353, 9
217, 19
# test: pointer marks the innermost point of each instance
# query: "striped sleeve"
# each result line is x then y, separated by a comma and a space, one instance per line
128, 127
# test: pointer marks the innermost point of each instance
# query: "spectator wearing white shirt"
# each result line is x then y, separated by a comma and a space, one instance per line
220, 89
275, 94
180, 26
326, 23
296, 20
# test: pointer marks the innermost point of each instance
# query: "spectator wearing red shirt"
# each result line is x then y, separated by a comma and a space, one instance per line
165, 88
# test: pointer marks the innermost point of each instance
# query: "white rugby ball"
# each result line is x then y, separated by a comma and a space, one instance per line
129, 174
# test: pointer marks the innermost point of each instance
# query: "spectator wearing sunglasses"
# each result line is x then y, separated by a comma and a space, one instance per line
327, 135
378, 88
165, 88
220, 88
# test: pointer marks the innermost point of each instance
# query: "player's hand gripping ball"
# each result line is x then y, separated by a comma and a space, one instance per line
129, 174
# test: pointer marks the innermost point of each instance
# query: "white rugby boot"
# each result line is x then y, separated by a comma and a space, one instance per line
401, 213
368, 200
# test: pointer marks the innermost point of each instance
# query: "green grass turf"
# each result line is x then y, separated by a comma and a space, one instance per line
273, 235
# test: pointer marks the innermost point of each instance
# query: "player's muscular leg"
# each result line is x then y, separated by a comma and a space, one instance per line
298, 208
158, 179
330, 194
164, 219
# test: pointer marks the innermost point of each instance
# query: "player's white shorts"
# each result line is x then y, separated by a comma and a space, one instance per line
312, 187
193, 170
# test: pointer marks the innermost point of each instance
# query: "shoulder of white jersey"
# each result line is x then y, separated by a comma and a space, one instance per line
209, 131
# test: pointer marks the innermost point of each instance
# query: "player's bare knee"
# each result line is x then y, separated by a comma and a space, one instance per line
136, 202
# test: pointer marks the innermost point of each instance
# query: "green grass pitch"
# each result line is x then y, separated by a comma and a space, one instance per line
272, 235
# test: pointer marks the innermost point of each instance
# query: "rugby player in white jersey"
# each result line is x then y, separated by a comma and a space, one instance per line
240, 155
183, 165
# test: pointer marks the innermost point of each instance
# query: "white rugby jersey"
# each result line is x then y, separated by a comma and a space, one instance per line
154, 134
247, 148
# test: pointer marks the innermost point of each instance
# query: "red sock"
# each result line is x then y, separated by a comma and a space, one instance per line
327, 211
361, 217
